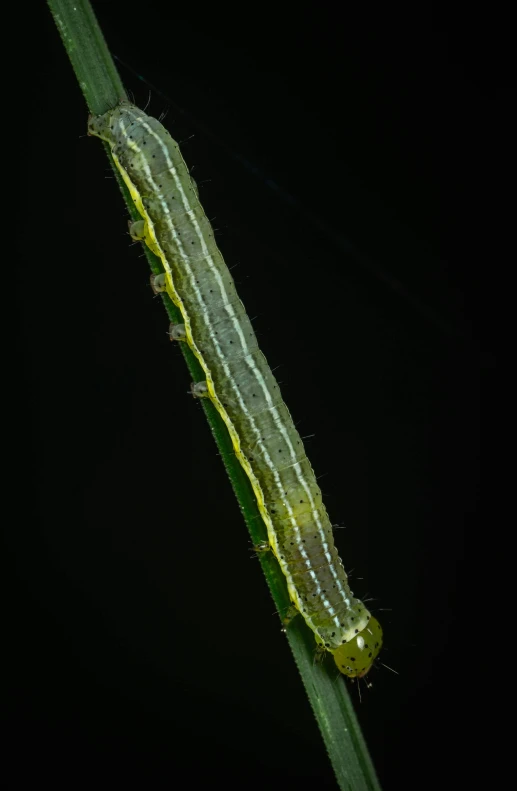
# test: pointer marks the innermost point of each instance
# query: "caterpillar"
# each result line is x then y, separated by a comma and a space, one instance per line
239, 382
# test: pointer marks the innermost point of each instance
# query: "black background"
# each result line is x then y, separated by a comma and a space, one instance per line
335, 152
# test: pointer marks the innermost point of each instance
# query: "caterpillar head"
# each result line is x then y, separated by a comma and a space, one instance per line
356, 657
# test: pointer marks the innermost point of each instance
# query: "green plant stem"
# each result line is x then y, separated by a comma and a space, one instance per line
328, 695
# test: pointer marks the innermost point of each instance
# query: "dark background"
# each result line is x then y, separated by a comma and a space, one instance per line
335, 151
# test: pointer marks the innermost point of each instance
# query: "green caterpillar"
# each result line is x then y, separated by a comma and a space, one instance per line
240, 383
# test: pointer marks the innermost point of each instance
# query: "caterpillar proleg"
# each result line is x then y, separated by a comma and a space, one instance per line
239, 382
